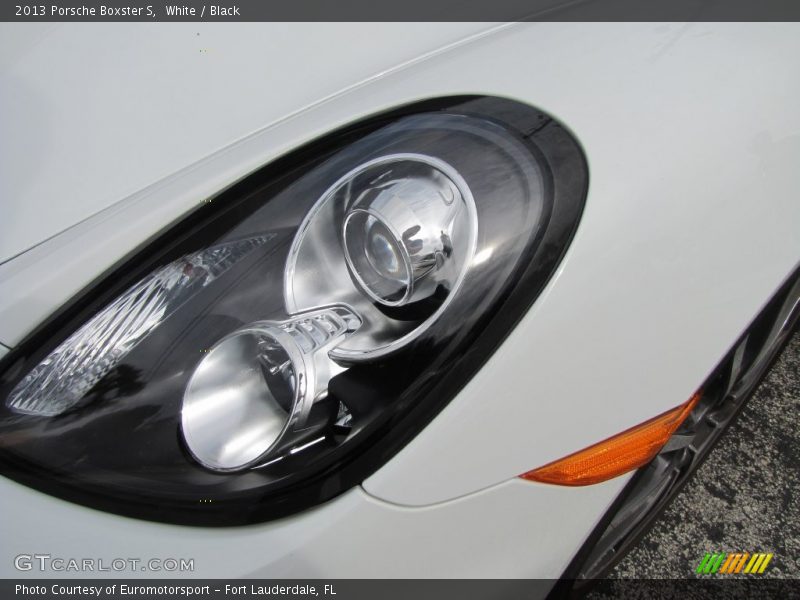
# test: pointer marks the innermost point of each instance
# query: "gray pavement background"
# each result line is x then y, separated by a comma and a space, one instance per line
743, 498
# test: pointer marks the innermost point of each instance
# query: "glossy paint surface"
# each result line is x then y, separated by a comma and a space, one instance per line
502, 532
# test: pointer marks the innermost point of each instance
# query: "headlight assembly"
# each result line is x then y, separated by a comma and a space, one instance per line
283, 341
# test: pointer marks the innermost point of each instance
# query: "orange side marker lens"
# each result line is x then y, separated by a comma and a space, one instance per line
617, 455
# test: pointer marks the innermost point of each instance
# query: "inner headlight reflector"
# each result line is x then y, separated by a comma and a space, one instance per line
258, 391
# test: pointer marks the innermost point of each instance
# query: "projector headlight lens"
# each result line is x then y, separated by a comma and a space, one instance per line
402, 229
377, 258
281, 343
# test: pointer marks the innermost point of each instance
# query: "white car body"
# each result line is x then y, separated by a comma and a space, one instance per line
692, 136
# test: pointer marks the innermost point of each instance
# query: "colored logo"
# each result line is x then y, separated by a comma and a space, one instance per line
730, 562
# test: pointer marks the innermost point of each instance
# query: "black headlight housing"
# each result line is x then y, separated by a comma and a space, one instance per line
96, 403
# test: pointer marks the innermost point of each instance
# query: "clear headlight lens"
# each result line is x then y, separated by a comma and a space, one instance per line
282, 342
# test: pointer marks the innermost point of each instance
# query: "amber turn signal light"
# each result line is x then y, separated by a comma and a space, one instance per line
618, 454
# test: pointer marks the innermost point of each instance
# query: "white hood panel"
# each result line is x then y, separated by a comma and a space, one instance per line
91, 114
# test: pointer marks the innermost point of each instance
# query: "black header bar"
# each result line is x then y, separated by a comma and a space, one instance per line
405, 10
